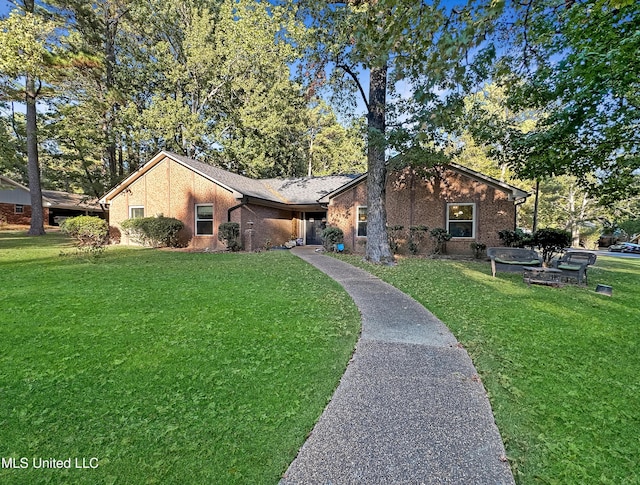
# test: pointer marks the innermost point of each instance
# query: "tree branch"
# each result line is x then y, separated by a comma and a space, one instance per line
353, 76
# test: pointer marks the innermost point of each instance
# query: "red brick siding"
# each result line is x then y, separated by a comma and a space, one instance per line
173, 190
8, 214
270, 224
414, 201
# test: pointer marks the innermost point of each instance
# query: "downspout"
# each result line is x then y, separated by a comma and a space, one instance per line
515, 213
243, 201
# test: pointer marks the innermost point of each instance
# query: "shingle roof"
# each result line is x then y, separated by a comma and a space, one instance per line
56, 198
288, 191
66, 200
294, 191
239, 183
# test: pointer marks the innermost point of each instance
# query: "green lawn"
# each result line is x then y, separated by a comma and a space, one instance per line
561, 365
169, 367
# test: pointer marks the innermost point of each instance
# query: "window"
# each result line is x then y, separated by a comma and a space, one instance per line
361, 223
19, 209
461, 220
204, 219
136, 211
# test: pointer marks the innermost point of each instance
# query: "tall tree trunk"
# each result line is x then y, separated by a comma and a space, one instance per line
110, 155
574, 221
310, 167
535, 206
33, 164
378, 250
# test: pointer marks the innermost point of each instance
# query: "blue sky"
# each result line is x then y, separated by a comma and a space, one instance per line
4, 7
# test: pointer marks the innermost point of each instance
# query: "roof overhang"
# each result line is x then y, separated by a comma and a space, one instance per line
312, 207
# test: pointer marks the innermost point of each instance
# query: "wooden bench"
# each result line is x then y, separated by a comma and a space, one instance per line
506, 259
574, 264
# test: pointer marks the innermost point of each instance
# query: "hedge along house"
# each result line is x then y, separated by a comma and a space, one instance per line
269, 212
469, 205
15, 204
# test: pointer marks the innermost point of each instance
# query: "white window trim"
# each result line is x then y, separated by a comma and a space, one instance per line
131, 207
16, 211
358, 220
196, 220
473, 221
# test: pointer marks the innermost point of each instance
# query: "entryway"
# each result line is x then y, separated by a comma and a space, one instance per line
314, 223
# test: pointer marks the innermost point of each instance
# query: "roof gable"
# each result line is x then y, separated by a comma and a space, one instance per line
514, 192
289, 191
8, 184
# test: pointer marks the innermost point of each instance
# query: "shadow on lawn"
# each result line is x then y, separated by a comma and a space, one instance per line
17, 248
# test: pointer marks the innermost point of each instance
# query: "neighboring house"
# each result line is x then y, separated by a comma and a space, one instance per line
471, 206
203, 196
15, 204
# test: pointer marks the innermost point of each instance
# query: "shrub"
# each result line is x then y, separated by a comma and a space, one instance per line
513, 239
154, 231
477, 249
88, 231
331, 236
551, 241
416, 236
229, 233
394, 233
440, 237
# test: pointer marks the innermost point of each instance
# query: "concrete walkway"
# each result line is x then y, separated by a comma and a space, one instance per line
409, 409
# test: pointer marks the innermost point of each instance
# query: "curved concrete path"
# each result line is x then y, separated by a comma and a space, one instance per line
409, 409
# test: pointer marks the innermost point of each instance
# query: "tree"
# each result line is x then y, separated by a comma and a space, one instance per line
219, 86
565, 204
26, 45
332, 147
490, 141
12, 144
577, 62
419, 43
98, 28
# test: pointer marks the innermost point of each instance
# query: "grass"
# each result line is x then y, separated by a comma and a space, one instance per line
169, 367
561, 365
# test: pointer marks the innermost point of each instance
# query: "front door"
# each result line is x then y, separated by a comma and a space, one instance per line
315, 222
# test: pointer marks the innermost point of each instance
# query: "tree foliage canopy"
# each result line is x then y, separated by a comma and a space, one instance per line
577, 63
209, 79
240, 84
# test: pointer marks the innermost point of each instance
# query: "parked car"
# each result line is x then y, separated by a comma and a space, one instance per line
625, 247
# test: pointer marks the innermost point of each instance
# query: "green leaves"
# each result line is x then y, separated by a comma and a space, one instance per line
26, 43
579, 64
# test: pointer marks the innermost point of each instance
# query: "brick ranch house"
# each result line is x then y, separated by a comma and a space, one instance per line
471, 206
15, 204
203, 196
